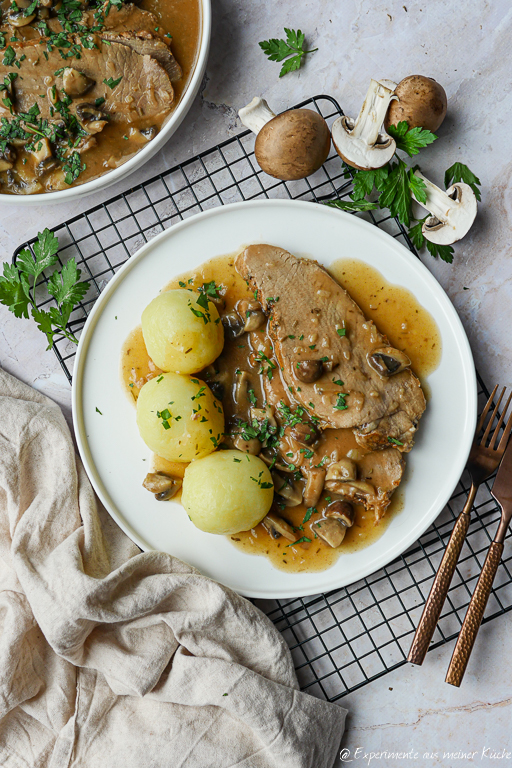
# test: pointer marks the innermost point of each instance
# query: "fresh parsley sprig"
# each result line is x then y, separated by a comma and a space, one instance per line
291, 50
18, 282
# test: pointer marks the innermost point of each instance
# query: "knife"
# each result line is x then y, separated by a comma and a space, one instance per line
502, 492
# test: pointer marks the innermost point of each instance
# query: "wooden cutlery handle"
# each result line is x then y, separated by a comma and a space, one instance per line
440, 587
474, 616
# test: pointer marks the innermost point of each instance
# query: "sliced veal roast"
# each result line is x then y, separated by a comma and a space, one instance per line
379, 473
314, 322
137, 28
144, 89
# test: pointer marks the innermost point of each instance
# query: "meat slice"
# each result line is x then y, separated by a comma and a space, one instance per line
313, 320
379, 473
135, 27
144, 43
144, 89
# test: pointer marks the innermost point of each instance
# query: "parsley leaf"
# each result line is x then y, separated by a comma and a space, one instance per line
352, 206
410, 140
365, 181
17, 286
400, 184
291, 50
111, 82
460, 172
394, 441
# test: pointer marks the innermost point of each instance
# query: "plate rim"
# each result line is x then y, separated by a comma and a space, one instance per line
101, 303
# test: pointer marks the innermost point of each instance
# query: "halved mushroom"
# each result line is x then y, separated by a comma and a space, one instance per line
420, 101
287, 489
164, 486
343, 487
7, 158
41, 150
309, 371
141, 135
252, 445
342, 471
252, 314
314, 486
264, 414
331, 531
17, 16
75, 83
387, 361
93, 119
278, 527
233, 325
274, 463
241, 388
452, 212
360, 143
342, 511
289, 146
304, 433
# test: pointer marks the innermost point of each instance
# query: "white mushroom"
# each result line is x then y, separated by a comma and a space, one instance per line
75, 83
331, 530
451, 213
278, 527
314, 486
289, 146
361, 143
287, 489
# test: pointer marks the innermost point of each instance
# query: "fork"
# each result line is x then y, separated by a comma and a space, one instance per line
482, 462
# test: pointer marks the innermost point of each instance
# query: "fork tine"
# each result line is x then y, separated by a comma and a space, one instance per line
493, 416
500, 422
485, 412
504, 440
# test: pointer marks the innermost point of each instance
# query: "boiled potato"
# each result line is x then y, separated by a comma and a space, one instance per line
227, 492
180, 334
179, 418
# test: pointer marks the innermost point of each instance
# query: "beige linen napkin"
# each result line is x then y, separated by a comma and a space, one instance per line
117, 659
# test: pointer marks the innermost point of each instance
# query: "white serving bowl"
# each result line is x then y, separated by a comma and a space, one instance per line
143, 155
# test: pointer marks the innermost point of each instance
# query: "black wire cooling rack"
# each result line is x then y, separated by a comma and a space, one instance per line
344, 639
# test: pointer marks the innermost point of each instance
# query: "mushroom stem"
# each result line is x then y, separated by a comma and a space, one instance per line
369, 121
256, 114
438, 203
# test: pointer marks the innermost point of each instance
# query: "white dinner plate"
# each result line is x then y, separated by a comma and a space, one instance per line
116, 459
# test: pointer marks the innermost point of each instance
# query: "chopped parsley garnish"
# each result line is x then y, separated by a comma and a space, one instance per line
394, 441
111, 82
98, 411
160, 378
302, 540
340, 402
308, 514
266, 366
341, 331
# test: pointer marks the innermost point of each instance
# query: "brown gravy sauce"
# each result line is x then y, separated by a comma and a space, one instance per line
396, 313
181, 19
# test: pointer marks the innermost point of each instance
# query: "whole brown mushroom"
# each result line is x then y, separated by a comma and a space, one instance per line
420, 101
289, 146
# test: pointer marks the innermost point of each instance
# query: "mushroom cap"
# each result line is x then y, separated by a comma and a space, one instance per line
421, 102
461, 217
355, 152
293, 145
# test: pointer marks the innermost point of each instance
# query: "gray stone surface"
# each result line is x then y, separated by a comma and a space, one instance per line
466, 47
